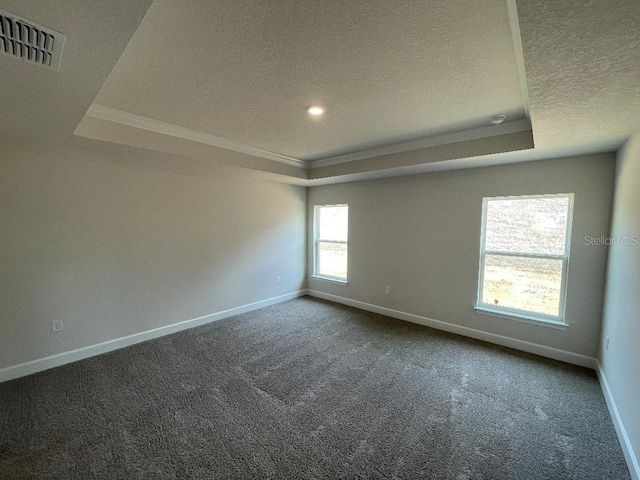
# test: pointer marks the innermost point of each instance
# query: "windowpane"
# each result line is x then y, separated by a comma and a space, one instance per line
530, 284
333, 223
332, 259
330, 237
528, 225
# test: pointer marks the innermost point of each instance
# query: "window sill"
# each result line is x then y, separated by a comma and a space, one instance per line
541, 322
330, 279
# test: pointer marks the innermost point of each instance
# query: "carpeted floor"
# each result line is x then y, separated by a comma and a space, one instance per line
309, 389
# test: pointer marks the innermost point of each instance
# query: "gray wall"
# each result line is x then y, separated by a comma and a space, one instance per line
621, 362
114, 249
420, 236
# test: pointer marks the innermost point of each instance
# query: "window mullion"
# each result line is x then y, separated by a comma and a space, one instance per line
527, 255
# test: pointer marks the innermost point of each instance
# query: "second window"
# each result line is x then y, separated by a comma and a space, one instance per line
331, 232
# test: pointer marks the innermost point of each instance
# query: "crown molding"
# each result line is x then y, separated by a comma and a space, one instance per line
514, 23
426, 142
120, 117
109, 114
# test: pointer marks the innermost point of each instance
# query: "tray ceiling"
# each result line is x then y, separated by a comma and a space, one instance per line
408, 86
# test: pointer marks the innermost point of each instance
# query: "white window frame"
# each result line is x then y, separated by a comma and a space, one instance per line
317, 241
515, 313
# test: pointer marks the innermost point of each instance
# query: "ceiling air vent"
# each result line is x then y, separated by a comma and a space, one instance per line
29, 41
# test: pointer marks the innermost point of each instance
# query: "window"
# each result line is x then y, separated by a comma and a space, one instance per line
524, 256
331, 227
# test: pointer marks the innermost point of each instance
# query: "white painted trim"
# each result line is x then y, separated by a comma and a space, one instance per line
34, 366
625, 443
335, 280
121, 117
540, 322
426, 142
535, 348
113, 115
514, 23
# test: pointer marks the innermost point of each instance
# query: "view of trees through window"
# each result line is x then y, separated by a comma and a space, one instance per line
525, 253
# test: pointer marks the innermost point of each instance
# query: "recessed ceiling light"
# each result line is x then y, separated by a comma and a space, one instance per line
497, 119
315, 110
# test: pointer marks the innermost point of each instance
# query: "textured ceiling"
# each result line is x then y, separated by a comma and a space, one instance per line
387, 71
582, 61
200, 76
37, 102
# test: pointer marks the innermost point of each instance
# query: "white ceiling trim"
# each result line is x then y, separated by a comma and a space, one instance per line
514, 23
109, 114
434, 141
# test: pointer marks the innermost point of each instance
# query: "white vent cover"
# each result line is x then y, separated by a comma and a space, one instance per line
29, 41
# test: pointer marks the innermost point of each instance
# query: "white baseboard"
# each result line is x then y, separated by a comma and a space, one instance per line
537, 349
625, 443
34, 366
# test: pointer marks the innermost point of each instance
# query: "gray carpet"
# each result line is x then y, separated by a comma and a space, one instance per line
309, 389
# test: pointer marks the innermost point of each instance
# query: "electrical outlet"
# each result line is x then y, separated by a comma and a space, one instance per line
607, 344
387, 290
278, 280
56, 326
